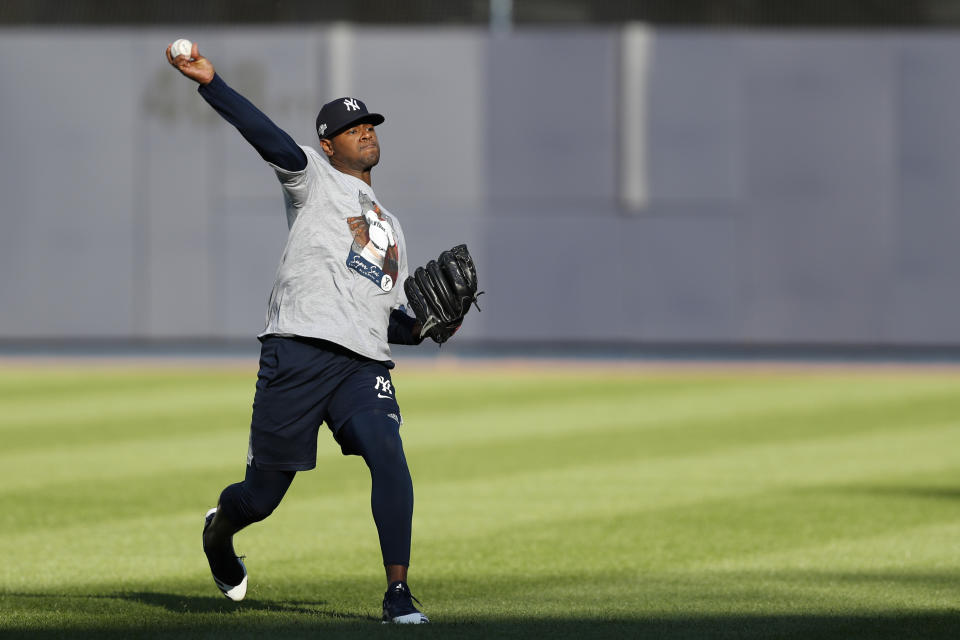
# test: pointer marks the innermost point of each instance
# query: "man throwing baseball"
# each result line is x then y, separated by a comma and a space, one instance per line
325, 356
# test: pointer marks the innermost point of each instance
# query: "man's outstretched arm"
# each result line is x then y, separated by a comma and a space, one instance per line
272, 143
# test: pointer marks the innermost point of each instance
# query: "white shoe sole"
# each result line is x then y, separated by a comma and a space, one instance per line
410, 618
238, 592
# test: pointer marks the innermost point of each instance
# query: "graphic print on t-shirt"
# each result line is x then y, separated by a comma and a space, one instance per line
374, 252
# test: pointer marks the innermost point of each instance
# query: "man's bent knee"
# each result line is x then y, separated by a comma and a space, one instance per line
373, 435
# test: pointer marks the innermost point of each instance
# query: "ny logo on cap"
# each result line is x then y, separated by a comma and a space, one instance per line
323, 128
351, 104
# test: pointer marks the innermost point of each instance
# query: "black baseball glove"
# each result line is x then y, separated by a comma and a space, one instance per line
441, 293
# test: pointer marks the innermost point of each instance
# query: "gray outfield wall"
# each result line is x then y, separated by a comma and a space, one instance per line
614, 184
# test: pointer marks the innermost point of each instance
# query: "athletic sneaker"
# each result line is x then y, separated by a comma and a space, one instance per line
220, 561
398, 605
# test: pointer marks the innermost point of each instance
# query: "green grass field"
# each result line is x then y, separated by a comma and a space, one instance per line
550, 503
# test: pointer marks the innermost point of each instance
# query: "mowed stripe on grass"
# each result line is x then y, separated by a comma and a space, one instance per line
639, 502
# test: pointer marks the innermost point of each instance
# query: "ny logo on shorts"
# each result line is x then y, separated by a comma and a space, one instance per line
383, 384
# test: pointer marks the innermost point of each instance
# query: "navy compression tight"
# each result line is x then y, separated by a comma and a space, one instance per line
375, 437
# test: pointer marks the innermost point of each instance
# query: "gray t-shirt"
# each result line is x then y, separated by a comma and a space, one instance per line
343, 268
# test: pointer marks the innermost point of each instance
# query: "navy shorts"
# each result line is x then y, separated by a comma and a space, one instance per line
304, 383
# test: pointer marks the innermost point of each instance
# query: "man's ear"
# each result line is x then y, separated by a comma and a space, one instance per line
327, 146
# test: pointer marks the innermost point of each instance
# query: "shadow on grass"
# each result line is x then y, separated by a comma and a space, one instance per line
951, 494
881, 627
642, 610
178, 603
190, 607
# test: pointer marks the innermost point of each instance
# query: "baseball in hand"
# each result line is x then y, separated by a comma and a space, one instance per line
181, 47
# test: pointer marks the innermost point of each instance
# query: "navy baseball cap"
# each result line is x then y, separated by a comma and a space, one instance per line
337, 115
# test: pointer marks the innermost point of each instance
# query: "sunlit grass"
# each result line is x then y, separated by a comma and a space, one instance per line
579, 504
